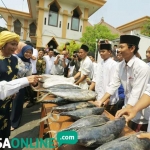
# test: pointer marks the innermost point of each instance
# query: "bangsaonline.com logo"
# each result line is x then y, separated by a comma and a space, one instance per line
65, 137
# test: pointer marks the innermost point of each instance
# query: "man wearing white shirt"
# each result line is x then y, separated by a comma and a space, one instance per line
49, 61
104, 76
34, 60
134, 75
86, 68
60, 63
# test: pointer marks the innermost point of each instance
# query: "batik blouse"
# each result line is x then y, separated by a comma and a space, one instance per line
8, 72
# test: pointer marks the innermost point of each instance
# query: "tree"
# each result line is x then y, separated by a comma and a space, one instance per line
96, 32
146, 28
70, 46
3, 29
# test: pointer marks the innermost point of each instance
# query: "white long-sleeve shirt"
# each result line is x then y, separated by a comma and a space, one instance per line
33, 62
134, 77
12, 87
103, 77
49, 63
86, 68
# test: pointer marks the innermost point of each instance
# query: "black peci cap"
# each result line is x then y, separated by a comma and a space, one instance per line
105, 46
130, 39
84, 47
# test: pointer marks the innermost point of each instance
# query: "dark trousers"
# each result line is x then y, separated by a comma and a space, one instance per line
17, 108
137, 127
30, 94
112, 109
120, 103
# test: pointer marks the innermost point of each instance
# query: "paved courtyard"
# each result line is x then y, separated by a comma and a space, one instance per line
29, 127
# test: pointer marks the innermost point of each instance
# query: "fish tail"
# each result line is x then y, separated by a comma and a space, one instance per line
42, 97
46, 117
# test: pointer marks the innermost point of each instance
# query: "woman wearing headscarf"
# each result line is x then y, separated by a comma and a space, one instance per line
8, 72
25, 69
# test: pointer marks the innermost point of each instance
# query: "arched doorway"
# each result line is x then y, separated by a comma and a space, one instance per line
52, 43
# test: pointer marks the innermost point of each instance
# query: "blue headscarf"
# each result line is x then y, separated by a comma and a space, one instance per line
21, 54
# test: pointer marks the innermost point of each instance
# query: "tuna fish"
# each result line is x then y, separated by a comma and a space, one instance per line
50, 78
59, 101
130, 142
89, 121
76, 114
55, 80
64, 86
80, 113
74, 94
73, 106
54, 87
96, 136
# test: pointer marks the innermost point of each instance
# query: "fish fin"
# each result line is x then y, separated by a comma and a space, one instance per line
124, 138
90, 143
101, 124
109, 138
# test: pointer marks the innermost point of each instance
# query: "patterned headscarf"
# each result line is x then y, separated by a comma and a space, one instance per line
7, 36
21, 54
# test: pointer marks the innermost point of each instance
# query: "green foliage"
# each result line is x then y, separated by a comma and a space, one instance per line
3, 29
97, 32
73, 46
146, 28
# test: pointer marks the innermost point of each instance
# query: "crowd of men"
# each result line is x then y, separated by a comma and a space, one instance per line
119, 80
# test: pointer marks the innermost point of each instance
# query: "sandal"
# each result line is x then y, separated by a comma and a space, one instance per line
12, 129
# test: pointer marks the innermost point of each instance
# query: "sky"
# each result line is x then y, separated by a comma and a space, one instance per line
114, 12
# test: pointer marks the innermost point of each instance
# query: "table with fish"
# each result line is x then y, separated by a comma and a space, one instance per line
67, 108
64, 122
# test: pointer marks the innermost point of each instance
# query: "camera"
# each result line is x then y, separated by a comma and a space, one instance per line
75, 55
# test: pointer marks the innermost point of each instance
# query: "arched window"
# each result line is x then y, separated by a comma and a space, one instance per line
17, 27
53, 14
32, 28
76, 19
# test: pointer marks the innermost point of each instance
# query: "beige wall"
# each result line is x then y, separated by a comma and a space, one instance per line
40, 24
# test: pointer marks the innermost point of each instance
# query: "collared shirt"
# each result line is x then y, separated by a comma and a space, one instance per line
9, 88
148, 63
134, 77
59, 69
86, 68
94, 67
49, 63
33, 62
104, 76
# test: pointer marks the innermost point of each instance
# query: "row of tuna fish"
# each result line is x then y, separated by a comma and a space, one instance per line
94, 130
64, 88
